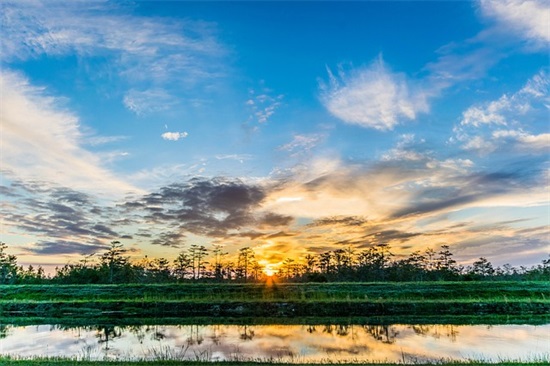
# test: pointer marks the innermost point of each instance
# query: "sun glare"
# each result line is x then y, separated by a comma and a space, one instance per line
269, 272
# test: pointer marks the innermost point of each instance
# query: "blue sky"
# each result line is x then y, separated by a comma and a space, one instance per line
290, 127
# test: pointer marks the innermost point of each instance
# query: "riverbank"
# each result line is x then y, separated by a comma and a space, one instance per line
280, 301
65, 362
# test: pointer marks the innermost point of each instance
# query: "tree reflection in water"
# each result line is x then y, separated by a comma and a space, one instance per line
383, 333
4, 330
311, 342
451, 331
247, 333
106, 333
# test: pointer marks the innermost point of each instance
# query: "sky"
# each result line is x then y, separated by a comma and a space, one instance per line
287, 127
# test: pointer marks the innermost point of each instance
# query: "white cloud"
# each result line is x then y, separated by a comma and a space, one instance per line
101, 140
60, 27
373, 97
41, 140
262, 106
499, 112
507, 121
174, 136
524, 141
406, 149
303, 142
138, 50
148, 101
529, 19
239, 157
491, 113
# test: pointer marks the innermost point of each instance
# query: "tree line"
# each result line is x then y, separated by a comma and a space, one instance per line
199, 263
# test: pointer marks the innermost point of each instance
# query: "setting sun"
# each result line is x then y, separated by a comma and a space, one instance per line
269, 272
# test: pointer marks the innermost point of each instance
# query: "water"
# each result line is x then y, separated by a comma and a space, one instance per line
290, 343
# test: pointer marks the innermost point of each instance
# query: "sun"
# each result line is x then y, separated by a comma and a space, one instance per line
269, 272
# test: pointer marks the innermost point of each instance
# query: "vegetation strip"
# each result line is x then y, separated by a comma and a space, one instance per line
286, 309
306, 320
68, 362
408, 291
194, 265
277, 300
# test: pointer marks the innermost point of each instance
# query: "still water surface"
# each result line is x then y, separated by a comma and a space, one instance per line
293, 343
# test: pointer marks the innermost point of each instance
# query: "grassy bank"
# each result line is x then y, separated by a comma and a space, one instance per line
277, 300
408, 291
66, 362
302, 320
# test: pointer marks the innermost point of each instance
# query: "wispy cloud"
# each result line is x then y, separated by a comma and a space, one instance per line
101, 140
262, 104
303, 143
238, 157
506, 123
174, 136
407, 148
373, 96
31, 151
527, 19
148, 101
140, 50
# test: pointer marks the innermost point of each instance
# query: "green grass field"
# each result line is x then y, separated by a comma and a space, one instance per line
278, 300
403, 291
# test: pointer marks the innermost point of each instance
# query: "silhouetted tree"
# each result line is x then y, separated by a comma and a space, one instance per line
114, 260
8, 266
182, 264
482, 268
245, 260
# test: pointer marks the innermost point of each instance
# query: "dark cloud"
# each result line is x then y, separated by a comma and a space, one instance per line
385, 236
170, 239
437, 205
6, 191
70, 196
57, 212
469, 188
66, 247
272, 219
280, 234
339, 220
210, 207
248, 234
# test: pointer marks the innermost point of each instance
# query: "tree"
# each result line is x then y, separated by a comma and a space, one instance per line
482, 267
201, 262
446, 265
8, 266
325, 262
114, 260
244, 262
182, 264
287, 267
311, 262
218, 265
198, 264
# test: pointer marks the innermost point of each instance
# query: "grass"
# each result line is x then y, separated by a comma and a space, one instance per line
278, 300
70, 362
408, 291
308, 320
